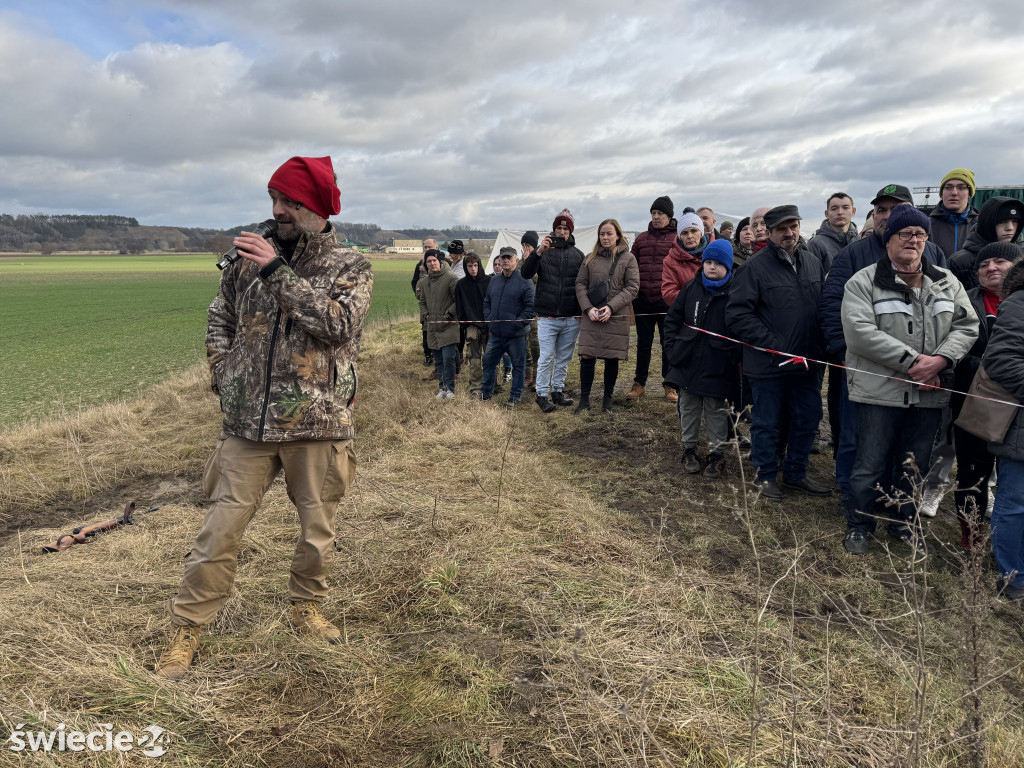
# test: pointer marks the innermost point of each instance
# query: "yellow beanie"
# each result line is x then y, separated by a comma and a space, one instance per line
961, 174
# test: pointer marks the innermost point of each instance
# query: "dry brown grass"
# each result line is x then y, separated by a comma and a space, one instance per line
602, 612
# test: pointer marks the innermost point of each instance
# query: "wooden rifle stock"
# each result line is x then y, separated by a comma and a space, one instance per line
83, 532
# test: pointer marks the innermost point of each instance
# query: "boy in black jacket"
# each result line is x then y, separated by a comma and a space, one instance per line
704, 368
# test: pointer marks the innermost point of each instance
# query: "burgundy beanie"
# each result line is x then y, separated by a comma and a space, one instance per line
564, 218
310, 181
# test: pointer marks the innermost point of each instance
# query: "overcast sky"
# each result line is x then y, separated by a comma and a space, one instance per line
500, 114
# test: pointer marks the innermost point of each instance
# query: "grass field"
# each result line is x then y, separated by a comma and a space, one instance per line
84, 330
513, 589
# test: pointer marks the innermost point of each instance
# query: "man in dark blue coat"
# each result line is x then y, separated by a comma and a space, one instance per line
508, 309
774, 304
863, 253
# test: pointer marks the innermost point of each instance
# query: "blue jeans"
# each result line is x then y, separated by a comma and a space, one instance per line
846, 451
1008, 521
444, 366
557, 336
497, 346
802, 393
884, 431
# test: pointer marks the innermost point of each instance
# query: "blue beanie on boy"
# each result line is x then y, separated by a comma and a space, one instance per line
719, 251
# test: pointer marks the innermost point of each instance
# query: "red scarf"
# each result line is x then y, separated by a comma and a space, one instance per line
992, 302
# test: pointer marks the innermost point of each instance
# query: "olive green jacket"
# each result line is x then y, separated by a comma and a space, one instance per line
282, 342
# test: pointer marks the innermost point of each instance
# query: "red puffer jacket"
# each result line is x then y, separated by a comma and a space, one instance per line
651, 248
677, 270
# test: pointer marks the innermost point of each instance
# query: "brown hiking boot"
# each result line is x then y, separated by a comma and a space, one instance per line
308, 620
636, 392
671, 395
177, 657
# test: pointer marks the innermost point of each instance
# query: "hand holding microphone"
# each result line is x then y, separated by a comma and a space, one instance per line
253, 243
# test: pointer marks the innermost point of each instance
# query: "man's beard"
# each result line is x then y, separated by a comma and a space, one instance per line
295, 231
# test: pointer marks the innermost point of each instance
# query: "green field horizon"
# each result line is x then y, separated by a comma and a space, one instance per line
85, 330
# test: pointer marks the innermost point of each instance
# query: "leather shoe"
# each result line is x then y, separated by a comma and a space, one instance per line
559, 398
856, 542
770, 490
806, 485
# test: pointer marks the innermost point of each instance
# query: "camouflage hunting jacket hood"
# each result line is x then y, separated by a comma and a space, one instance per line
282, 342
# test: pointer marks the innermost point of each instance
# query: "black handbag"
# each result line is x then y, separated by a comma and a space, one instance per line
598, 295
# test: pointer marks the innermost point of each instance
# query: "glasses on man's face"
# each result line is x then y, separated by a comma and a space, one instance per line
957, 187
906, 236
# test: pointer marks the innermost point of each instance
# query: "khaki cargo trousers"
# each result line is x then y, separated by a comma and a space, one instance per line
317, 474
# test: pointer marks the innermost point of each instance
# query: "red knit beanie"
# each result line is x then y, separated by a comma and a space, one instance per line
310, 181
564, 218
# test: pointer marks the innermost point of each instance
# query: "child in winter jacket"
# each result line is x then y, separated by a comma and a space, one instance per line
704, 367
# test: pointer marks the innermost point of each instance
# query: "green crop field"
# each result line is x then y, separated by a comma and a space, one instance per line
85, 330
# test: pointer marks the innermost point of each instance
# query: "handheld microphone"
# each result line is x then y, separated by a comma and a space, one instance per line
266, 229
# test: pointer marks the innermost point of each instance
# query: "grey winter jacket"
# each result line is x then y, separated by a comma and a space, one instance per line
887, 327
827, 243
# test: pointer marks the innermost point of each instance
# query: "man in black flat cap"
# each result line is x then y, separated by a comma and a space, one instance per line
774, 304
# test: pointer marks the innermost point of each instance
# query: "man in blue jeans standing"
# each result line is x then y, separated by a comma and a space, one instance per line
508, 310
773, 304
556, 263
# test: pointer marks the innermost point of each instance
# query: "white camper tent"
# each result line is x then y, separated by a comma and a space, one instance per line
586, 238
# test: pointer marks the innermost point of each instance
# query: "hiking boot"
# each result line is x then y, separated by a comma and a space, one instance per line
544, 404
582, 405
1010, 592
769, 490
671, 395
482, 396
856, 542
806, 485
606, 404
715, 465
177, 657
428, 360
512, 402
308, 620
636, 391
691, 464
559, 398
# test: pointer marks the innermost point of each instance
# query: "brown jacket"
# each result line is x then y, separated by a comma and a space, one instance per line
282, 342
611, 339
436, 293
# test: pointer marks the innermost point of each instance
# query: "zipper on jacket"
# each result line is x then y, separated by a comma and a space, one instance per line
270, 369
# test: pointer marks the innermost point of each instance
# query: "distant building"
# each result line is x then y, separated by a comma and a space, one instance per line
409, 247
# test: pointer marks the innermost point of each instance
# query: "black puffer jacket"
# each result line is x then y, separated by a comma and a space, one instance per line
556, 271
773, 306
962, 262
701, 364
469, 298
1004, 359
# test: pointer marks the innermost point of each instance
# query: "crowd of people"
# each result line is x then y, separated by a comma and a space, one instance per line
902, 316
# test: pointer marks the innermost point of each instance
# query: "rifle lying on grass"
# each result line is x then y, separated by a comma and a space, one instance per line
84, 532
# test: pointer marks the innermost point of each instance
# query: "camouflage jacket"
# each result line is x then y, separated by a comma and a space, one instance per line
282, 342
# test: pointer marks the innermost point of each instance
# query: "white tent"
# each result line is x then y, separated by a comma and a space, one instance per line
586, 239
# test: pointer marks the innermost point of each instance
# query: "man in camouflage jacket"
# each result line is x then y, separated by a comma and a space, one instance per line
282, 342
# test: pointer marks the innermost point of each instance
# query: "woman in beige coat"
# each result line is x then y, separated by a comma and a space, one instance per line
606, 285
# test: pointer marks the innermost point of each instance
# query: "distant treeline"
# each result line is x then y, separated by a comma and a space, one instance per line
41, 233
